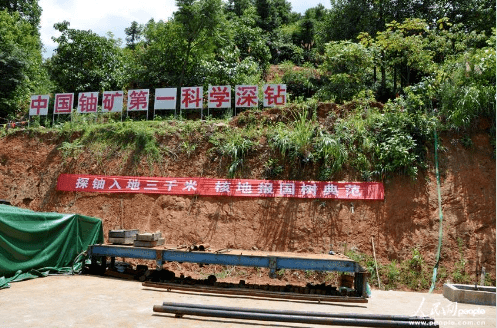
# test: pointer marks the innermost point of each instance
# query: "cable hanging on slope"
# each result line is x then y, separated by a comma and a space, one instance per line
440, 215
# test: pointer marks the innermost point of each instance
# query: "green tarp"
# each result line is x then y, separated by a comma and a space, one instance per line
35, 244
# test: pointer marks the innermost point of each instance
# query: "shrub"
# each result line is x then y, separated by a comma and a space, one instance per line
301, 81
345, 71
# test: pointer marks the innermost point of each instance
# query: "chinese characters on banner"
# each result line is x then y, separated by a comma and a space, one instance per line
246, 96
221, 187
112, 101
165, 98
219, 96
274, 95
39, 105
192, 97
87, 102
138, 100
63, 103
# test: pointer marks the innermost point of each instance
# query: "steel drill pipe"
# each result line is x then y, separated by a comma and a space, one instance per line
257, 293
306, 313
181, 311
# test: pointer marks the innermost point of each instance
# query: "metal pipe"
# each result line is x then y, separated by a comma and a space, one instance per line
181, 311
251, 292
304, 313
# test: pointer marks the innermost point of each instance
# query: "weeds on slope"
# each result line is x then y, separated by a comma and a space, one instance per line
374, 142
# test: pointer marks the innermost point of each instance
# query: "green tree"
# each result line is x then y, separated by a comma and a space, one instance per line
405, 51
466, 86
21, 72
283, 10
85, 61
200, 27
238, 7
267, 15
160, 59
250, 39
133, 34
240, 58
346, 70
348, 18
29, 10
474, 15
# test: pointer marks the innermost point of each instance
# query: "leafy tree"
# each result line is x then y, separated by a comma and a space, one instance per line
21, 72
283, 10
316, 13
267, 15
348, 18
346, 69
227, 69
133, 34
238, 7
85, 61
240, 59
467, 86
272, 14
160, 59
310, 33
250, 39
200, 27
474, 15
29, 10
404, 47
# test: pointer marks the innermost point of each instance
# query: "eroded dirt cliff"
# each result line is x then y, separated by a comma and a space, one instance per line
405, 220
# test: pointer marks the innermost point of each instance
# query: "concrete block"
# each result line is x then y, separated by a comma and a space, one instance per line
153, 243
147, 236
122, 241
122, 233
468, 294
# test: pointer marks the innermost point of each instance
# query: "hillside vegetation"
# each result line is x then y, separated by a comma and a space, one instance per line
373, 96
276, 144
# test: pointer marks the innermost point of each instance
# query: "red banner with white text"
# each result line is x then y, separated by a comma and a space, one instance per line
221, 187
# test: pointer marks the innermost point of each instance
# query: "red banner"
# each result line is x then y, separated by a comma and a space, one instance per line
221, 187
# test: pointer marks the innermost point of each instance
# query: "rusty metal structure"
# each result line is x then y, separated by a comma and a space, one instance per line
272, 260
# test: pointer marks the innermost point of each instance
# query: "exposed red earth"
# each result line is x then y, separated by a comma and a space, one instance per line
406, 219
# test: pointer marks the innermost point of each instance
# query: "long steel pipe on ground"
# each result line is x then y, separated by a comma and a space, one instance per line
252, 292
306, 313
181, 311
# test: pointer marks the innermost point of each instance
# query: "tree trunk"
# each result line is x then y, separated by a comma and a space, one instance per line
182, 75
395, 80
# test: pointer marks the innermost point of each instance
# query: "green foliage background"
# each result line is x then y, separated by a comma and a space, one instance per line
397, 72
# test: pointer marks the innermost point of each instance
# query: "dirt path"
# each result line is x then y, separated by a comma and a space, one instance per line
90, 301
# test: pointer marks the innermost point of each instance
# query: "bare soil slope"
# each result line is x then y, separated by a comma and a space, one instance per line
406, 219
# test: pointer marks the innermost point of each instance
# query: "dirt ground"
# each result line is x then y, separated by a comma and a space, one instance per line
91, 301
407, 219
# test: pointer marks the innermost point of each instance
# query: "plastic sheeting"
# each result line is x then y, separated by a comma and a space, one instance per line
35, 244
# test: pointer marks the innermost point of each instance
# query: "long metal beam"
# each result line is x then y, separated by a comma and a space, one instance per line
331, 321
257, 293
305, 313
272, 262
